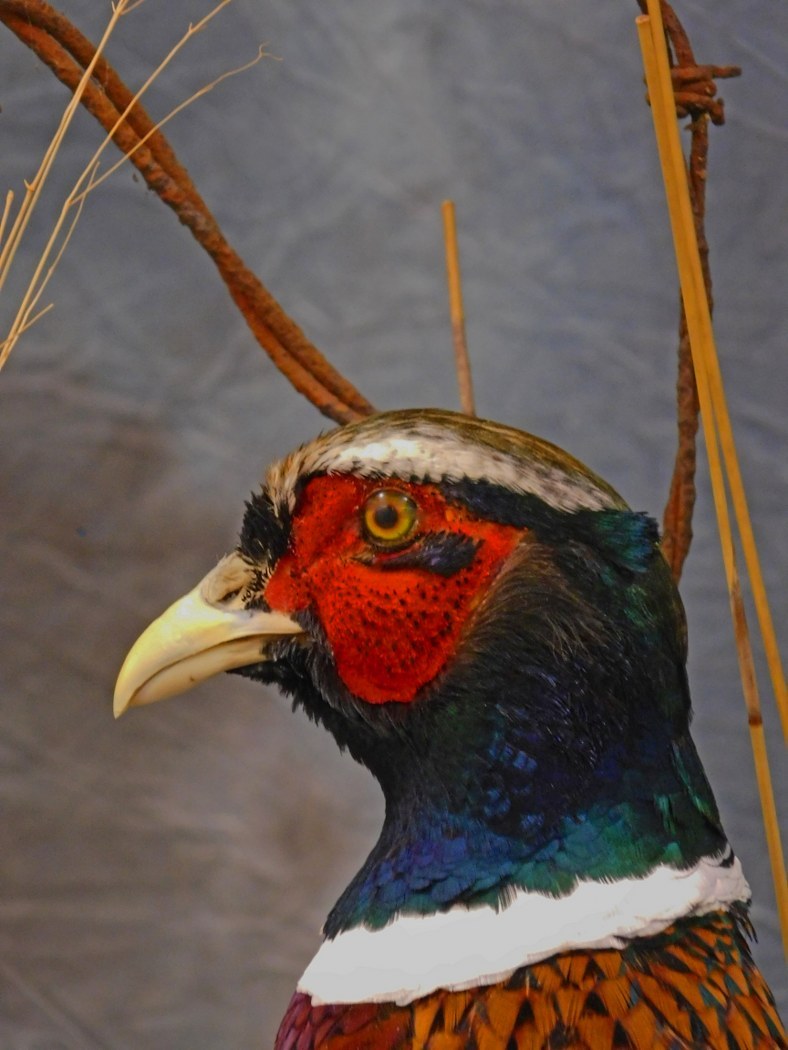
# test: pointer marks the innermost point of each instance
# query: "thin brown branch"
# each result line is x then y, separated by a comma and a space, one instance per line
677, 516
695, 96
66, 51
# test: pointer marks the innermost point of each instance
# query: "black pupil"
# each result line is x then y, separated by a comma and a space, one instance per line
387, 516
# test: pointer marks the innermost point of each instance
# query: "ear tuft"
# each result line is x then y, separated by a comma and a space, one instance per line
629, 539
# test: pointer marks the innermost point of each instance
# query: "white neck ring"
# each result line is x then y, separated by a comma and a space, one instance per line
469, 947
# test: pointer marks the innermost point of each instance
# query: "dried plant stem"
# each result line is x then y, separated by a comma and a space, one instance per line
88, 180
677, 516
78, 197
462, 362
9, 200
26, 318
34, 188
60, 45
692, 251
715, 418
694, 95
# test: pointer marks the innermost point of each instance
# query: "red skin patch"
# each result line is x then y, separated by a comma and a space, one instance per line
391, 631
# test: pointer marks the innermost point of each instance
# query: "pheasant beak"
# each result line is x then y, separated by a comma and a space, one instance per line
205, 632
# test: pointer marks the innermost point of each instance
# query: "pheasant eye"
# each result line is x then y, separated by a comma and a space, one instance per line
389, 517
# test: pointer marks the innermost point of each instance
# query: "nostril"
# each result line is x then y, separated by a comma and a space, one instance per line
228, 583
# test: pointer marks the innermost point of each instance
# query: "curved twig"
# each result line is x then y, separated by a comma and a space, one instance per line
59, 44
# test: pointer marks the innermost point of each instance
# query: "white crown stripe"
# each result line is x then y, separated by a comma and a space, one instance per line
464, 947
435, 446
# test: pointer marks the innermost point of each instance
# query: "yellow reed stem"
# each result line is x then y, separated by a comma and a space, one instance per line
713, 411
9, 200
456, 309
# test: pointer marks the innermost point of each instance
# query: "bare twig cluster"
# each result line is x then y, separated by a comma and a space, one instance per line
68, 53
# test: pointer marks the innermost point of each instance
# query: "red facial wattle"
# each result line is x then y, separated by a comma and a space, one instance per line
391, 630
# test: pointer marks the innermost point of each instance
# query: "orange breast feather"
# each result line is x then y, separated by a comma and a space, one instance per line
694, 987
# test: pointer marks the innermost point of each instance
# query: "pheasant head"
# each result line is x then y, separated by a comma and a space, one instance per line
485, 625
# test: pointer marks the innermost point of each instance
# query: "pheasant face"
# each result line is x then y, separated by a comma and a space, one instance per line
388, 575
367, 540
487, 627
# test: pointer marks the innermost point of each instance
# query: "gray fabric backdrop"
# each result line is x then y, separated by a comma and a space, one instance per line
163, 878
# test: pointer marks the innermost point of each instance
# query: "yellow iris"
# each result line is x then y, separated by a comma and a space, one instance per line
389, 517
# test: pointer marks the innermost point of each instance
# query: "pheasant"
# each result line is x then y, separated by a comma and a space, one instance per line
485, 625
